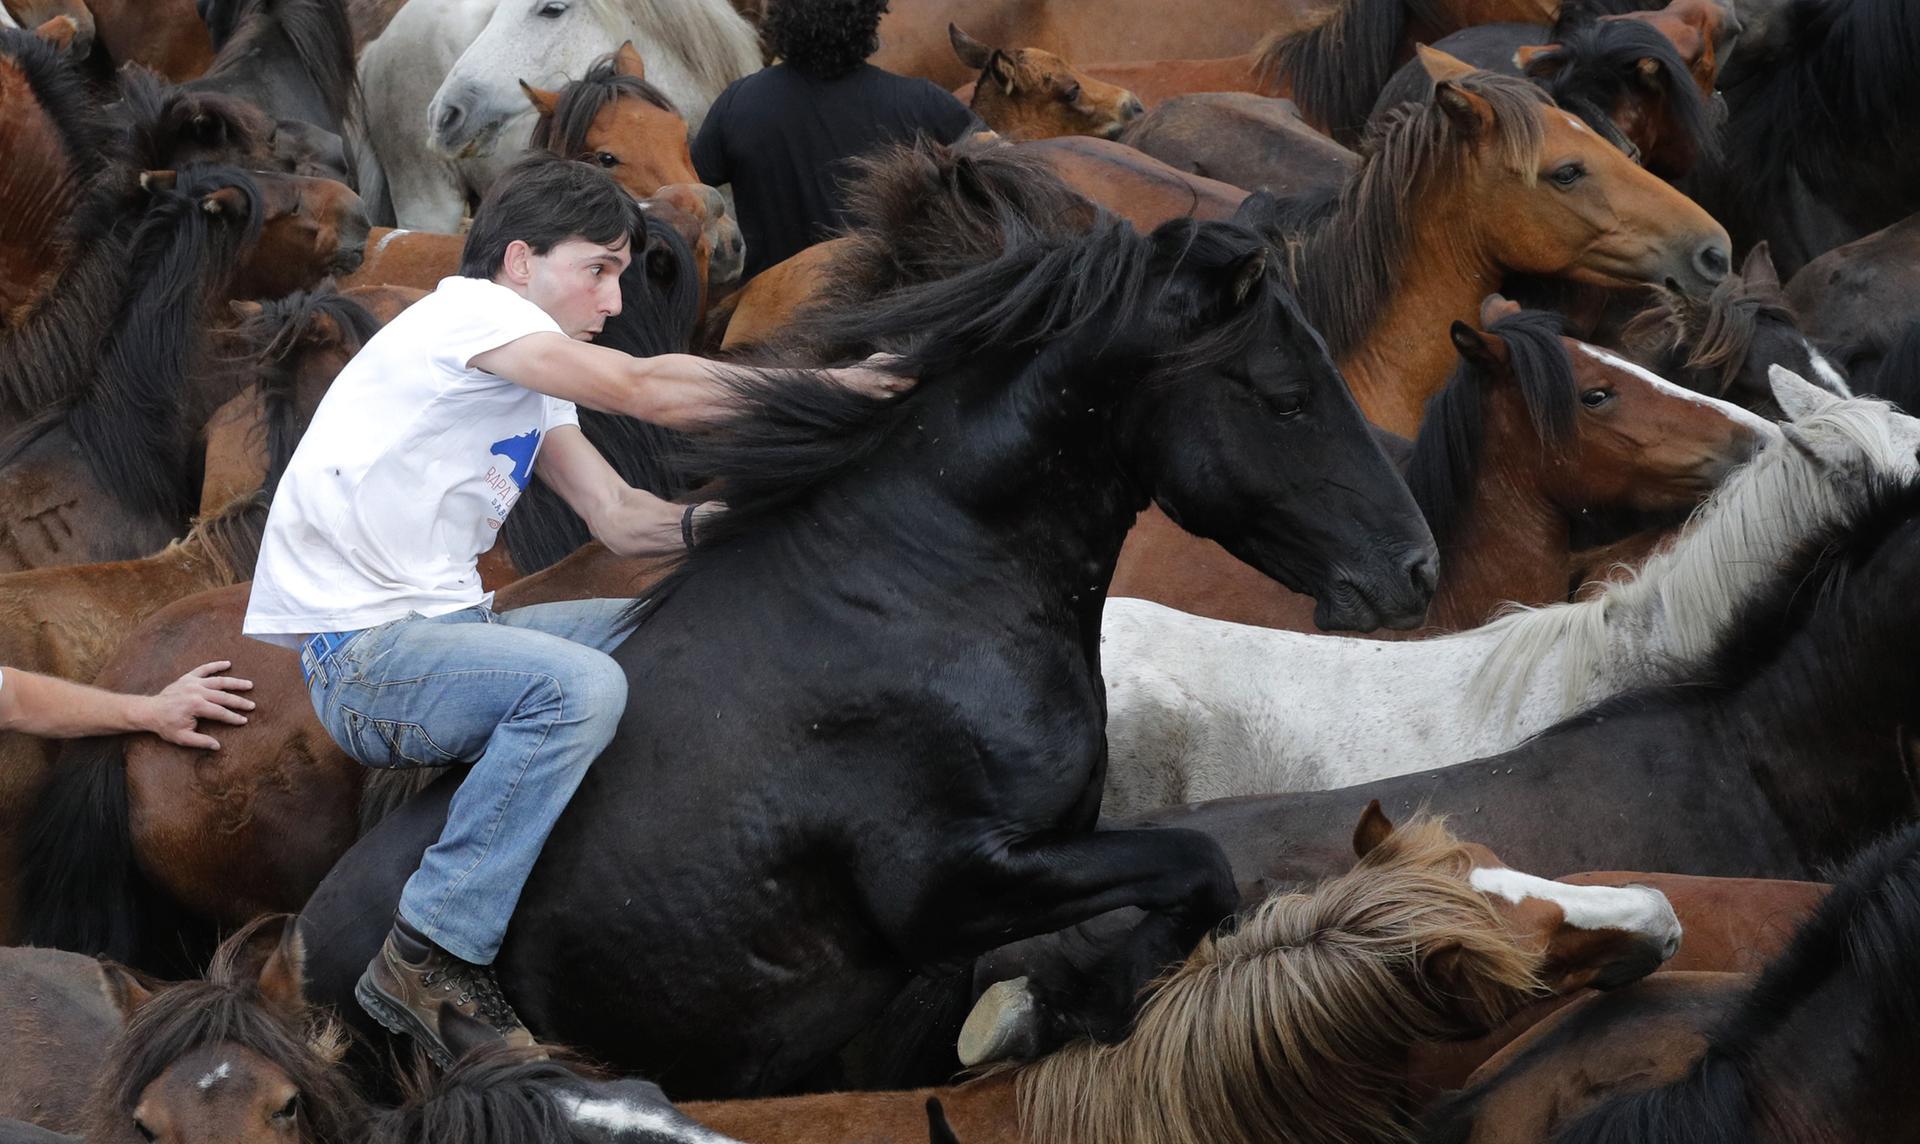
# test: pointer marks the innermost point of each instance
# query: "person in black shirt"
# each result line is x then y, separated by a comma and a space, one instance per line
782, 136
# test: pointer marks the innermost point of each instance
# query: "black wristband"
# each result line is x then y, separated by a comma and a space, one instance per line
686, 526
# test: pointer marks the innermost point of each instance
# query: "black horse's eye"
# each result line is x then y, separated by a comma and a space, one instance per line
1567, 174
1289, 405
145, 1132
290, 1109
1595, 398
606, 159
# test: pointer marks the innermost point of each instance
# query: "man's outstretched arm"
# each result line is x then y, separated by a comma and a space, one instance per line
678, 391
55, 708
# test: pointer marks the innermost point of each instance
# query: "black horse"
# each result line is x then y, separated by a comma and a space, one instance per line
868, 727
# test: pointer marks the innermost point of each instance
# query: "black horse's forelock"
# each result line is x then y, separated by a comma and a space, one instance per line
660, 299
226, 1008
156, 114
1340, 64
269, 340
62, 92
321, 37
128, 418
1447, 451
1593, 62
495, 1094
564, 133
1868, 927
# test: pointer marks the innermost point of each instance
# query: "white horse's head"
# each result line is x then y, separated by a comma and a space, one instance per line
692, 49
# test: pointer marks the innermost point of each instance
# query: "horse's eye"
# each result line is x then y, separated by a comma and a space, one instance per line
553, 9
1595, 398
1567, 174
606, 159
290, 1109
1289, 405
145, 1132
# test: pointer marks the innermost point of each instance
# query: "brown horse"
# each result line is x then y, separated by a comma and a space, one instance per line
58, 1012
310, 230
1028, 93
1296, 1026
52, 133
1247, 140
1534, 430
914, 41
413, 258
67, 621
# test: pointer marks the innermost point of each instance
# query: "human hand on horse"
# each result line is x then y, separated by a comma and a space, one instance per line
199, 694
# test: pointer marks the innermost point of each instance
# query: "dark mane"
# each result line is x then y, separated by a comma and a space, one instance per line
565, 131
231, 534
494, 1095
1593, 62
159, 117
127, 415
226, 1008
62, 93
319, 37
660, 297
271, 340
1895, 374
1344, 255
1446, 453
1339, 64
1867, 929
1716, 337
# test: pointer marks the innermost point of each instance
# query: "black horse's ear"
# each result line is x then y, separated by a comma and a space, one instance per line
1758, 268
1245, 274
1373, 829
972, 52
938, 1130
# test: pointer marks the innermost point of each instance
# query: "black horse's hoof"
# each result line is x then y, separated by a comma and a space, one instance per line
1004, 1025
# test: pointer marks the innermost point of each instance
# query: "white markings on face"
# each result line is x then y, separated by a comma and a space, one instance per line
644, 1121
220, 1072
1751, 420
1632, 909
1828, 375
1575, 122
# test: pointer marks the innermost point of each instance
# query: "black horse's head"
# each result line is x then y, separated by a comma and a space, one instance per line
1245, 433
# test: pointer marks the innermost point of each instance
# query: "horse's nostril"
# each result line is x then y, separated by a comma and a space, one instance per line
450, 117
1713, 262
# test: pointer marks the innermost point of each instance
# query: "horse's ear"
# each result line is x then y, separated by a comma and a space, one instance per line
126, 990
1759, 267
282, 978
1797, 397
1541, 60
1439, 65
1477, 348
627, 62
62, 33
1494, 307
155, 181
1245, 274
1469, 110
463, 1034
1000, 69
938, 1130
972, 52
1647, 71
245, 309
228, 201
1373, 828
322, 330
543, 101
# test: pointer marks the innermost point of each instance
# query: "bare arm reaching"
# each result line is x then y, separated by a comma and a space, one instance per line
59, 709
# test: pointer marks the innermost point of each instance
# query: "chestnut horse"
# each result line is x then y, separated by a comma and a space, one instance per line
1295, 1026
1534, 430
52, 133
1029, 93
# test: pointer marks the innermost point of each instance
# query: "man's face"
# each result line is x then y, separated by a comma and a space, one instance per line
577, 283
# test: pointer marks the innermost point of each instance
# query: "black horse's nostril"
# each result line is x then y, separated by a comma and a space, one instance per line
1423, 572
1713, 262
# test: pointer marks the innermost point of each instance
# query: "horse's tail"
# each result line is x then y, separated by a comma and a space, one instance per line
79, 888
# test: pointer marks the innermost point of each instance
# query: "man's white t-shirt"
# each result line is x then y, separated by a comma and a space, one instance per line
410, 465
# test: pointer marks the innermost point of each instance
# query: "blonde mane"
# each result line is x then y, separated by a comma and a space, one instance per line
1689, 595
1295, 1027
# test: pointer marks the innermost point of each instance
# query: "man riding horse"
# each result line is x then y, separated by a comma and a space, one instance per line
368, 566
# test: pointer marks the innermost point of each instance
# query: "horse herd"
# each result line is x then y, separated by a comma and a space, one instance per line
1555, 353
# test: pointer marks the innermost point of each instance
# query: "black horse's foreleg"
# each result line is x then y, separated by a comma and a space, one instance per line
1181, 878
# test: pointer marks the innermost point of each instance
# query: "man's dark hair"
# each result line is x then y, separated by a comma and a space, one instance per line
544, 200
825, 39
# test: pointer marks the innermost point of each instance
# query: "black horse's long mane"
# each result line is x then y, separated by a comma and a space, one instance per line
272, 339
159, 115
1447, 452
565, 131
1716, 337
496, 1094
1867, 929
659, 307
1340, 64
1592, 62
127, 416
319, 36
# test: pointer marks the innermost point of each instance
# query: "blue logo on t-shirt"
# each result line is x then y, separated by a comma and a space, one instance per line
518, 453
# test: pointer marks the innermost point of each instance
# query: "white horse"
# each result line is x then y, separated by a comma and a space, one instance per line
1200, 709
443, 91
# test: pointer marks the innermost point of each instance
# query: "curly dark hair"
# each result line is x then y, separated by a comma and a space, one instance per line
825, 39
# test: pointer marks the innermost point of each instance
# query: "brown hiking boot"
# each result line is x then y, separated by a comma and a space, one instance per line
411, 979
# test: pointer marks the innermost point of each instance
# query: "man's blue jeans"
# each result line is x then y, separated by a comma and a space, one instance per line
529, 697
